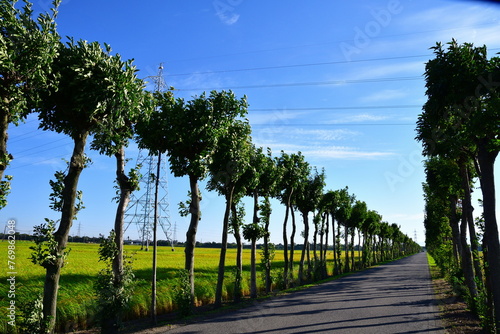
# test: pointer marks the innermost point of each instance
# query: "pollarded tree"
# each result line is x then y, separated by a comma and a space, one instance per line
343, 215
358, 215
293, 169
330, 202
92, 92
230, 160
369, 228
253, 232
260, 180
189, 132
27, 49
308, 198
268, 180
111, 140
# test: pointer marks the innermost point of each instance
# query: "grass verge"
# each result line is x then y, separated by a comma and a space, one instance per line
456, 317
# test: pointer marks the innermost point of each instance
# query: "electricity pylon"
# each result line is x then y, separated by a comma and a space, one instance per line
141, 210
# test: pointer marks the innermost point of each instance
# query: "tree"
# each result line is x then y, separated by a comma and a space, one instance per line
356, 219
343, 214
111, 140
27, 50
253, 232
293, 169
189, 132
369, 228
91, 95
269, 176
462, 110
230, 161
307, 200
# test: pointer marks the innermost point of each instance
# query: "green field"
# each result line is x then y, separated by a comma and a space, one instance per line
77, 302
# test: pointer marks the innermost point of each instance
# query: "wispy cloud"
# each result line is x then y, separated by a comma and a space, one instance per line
385, 95
329, 152
358, 118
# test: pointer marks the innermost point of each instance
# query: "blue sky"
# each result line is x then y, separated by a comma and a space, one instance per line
339, 81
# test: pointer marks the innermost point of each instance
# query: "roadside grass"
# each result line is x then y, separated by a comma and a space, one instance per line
454, 312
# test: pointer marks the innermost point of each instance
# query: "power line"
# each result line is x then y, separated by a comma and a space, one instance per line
338, 124
298, 65
332, 42
313, 83
340, 108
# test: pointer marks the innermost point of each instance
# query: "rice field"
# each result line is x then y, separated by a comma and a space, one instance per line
77, 300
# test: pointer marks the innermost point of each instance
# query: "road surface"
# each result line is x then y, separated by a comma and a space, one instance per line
392, 298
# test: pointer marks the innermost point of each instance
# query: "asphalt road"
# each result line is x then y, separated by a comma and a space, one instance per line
392, 298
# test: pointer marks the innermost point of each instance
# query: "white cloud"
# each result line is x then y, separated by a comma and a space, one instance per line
327, 152
384, 95
358, 118
273, 118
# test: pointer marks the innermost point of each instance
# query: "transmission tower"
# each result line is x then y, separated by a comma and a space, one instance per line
141, 209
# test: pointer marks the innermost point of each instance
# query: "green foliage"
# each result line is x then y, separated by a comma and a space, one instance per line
113, 292
266, 260
133, 181
4, 190
44, 252
185, 207
27, 49
253, 231
182, 293
31, 318
56, 196
108, 94
190, 131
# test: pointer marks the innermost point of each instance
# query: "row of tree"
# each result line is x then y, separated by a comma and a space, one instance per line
80, 89
459, 131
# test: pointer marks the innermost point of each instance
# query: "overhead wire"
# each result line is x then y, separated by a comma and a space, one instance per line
313, 83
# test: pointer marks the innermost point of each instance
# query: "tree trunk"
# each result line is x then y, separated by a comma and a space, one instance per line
239, 255
472, 227
126, 189
334, 244
352, 249
326, 225
194, 209
253, 272
346, 241
455, 230
339, 248
360, 250
292, 244
486, 160
285, 246
69, 194
467, 260
467, 263
305, 247
223, 250
269, 282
